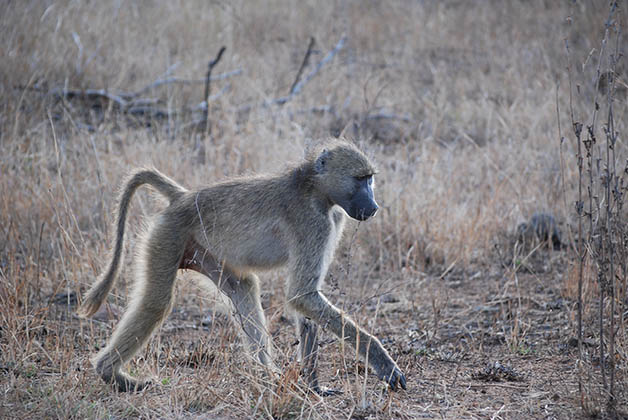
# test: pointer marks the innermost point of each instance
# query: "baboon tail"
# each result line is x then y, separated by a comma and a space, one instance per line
99, 291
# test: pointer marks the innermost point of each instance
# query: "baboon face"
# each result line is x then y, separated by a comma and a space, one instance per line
361, 205
347, 178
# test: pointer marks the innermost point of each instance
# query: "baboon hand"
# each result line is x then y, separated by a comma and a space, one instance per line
391, 373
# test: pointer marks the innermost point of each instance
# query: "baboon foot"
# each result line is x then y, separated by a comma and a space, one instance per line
127, 384
124, 383
393, 375
312, 381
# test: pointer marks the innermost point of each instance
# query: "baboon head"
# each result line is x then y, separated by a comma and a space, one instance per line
345, 176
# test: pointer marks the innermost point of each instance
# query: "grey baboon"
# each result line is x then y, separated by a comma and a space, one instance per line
234, 228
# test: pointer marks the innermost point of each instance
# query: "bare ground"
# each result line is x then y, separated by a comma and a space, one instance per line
497, 342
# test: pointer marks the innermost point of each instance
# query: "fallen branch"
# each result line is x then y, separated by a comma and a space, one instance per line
132, 103
203, 105
126, 99
145, 109
387, 116
90, 95
181, 81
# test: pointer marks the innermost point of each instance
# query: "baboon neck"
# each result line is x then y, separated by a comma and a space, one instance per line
302, 177
303, 181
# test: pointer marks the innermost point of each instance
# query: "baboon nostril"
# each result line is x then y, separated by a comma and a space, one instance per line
374, 210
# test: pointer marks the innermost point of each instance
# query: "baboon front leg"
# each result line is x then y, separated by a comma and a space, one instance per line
316, 307
307, 331
308, 351
150, 304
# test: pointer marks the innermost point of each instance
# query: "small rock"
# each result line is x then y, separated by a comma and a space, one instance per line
542, 227
496, 372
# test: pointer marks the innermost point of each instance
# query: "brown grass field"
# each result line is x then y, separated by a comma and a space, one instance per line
465, 106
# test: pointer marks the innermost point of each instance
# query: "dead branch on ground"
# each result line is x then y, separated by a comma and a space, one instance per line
133, 103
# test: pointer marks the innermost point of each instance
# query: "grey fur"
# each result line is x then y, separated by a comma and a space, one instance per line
229, 231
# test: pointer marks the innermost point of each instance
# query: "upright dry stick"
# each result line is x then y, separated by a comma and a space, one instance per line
304, 63
610, 231
611, 139
210, 66
611, 223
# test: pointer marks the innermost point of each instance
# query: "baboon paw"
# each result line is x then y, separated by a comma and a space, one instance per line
132, 385
394, 377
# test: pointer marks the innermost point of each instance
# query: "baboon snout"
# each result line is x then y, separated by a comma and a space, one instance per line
365, 212
371, 212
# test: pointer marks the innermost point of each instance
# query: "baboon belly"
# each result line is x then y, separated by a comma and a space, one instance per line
265, 253
255, 248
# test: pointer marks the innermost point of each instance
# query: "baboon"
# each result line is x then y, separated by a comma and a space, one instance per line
229, 231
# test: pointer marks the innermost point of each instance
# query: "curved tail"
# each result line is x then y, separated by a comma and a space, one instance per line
173, 191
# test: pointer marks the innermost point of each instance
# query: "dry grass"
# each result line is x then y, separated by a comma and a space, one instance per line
473, 151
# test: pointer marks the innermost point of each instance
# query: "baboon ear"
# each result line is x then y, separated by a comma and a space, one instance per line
321, 162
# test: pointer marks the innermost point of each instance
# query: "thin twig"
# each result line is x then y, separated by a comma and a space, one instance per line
581, 251
210, 66
41, 233
611, 222
304, 63
562, 165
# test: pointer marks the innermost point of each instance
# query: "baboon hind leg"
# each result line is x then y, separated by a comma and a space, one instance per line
243, 291
149, 305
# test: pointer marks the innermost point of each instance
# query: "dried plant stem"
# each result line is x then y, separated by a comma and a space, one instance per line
611, 225
581, 249
610, 179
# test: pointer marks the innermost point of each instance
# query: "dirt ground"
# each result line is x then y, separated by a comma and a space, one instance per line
497, 342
